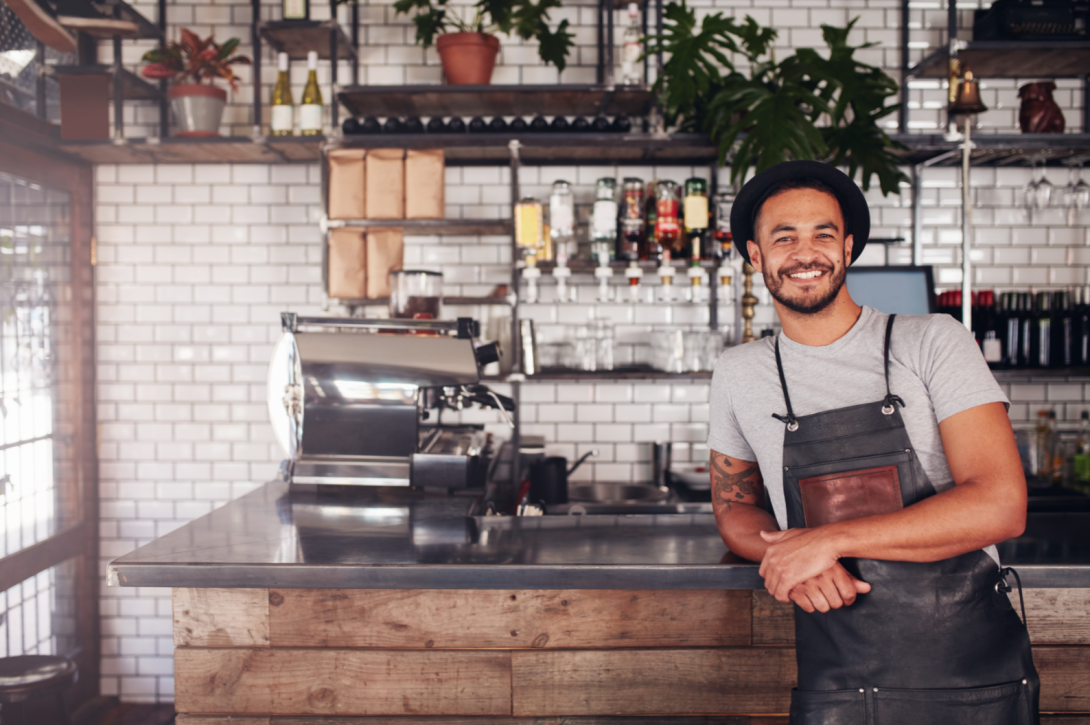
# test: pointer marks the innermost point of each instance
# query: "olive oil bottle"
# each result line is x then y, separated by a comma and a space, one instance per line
282, 122
310, 109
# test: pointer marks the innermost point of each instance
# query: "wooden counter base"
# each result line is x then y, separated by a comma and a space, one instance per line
356, 656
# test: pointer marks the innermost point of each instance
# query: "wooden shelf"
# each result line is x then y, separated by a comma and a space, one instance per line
133, 87
465, 301
298, 37
1012, 59
217, 150
420, 227
490, 100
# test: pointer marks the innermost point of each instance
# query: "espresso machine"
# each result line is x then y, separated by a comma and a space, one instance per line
357, 402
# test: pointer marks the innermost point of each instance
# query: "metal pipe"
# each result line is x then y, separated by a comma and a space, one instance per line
713, 277
39, 80
255, 40
610, 43
164, 105
356, 43
902, 115
516, 363
119, 95
334, 51
601, 75
966, 206
917, 217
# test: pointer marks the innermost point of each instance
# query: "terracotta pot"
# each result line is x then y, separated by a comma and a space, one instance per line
197, 109
468, 58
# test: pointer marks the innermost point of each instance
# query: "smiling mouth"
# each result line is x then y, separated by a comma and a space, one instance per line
807, 275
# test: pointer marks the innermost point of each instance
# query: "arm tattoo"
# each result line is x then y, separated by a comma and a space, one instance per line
730, 488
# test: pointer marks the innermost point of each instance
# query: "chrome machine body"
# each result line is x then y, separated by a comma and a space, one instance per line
357, 402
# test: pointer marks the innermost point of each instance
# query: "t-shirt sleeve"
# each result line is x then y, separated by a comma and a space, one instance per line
724, 433
956, 375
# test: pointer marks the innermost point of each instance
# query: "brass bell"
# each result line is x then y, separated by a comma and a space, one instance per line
968, 97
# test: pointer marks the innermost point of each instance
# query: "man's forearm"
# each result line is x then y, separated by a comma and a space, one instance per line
741, 528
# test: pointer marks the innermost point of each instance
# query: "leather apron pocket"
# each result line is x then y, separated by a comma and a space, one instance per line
1007, 704
828, 707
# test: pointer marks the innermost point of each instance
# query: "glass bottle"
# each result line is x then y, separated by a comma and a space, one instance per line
296, 10
1044, 445
310, 108
632, 48
603, 221
631, 220
530, 229
696, 217
667, 224
282, 122
1081, 460
562, 221
722, 241
650, 250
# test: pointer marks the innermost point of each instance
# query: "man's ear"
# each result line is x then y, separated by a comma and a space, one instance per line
754, 255
849, 241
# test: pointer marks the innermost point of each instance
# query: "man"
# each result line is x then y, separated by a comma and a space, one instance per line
868, 463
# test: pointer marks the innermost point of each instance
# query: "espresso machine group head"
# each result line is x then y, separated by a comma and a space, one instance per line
357, 402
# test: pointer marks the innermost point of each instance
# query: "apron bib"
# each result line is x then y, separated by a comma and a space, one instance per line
935, 643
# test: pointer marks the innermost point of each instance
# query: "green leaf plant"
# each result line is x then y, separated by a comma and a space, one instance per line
527, 19
805, 106
194, 59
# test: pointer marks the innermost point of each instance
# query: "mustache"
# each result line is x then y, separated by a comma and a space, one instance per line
806, 268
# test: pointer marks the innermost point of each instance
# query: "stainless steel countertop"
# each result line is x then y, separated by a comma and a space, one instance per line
401, 539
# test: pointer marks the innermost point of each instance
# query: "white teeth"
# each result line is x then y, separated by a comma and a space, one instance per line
806, 275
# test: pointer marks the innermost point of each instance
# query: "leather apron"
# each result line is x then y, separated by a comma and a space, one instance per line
936, 643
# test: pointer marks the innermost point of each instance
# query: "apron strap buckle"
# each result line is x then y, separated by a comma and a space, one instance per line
789, 419
890, 401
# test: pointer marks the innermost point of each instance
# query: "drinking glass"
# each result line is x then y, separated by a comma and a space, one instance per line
1038, 192
1076, 196
603, 344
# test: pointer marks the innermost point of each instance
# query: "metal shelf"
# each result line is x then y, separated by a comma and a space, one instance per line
133, 87
998, 149
586, 266
224, 149
1011, 59
298, 37
385, 301
490, 100
635, 372
461, 227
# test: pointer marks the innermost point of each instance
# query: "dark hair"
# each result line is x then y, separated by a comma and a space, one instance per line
791, 185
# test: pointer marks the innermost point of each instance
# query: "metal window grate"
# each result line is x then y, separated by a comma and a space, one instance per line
22, 61
38, 616
34, 441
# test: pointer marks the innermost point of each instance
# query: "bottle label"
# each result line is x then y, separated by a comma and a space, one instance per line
631, 51
281, 118
295, 9
696, 212
666, 221
310, 117
993, 350
603, 218
561, 215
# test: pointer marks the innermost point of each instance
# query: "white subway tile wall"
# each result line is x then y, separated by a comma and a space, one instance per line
195, 263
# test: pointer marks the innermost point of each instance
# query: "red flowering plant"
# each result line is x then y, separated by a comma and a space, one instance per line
195, 60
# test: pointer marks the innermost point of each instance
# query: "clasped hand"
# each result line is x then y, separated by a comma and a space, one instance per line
800, 566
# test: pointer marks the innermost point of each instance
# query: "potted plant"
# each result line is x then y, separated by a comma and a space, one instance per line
468, 48
197, 105
804, 106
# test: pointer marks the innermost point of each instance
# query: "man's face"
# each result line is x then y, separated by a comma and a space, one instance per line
802, 250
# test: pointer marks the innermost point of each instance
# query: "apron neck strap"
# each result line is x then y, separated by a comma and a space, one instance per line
890, 397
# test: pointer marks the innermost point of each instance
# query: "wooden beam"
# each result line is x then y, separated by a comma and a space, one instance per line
341, 682
1057, 616
773, 622
221, 617
443, 720
25, 563
650, 682
1065, 678
507, 619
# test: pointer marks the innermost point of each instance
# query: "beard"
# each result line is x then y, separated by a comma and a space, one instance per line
775, 283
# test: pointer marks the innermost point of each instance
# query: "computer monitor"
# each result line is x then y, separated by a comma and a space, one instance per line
901, 290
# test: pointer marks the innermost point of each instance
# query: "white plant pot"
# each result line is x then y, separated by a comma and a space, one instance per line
197, 108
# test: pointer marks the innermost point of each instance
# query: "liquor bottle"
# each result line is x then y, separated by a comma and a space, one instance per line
559, 124
1064, 331
580, 125
696, 217
1082, 328
600, 124
282, 122
651, 250
456, 125
296, 10
632, 48
667, 224
393, 125
539, 124
990, 343
1027, 320
562, 221
621, 124
631, 226
518, 125
435, 125
1041, 339
1043, 447
1081, 459
497, 124
603, 221
413, 125
477, 125
310, 107
370, 125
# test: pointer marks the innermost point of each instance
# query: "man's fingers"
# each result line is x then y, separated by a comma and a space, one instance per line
802, 600
844, 584
861, 586
772, 536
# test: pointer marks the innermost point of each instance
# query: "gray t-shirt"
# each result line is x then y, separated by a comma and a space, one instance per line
935, 367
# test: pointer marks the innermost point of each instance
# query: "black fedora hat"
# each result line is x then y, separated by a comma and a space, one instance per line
852, 202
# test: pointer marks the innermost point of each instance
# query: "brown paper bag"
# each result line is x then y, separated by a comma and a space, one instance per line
347, 263
386, 184
424, 184
346, 183
385, 253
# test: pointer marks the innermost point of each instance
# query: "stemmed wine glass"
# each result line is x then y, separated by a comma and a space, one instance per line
1038, 192
1076, 195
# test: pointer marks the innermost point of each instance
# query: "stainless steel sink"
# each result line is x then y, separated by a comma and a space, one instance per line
600, 492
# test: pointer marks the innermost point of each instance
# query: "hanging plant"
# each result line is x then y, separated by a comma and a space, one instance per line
802, 107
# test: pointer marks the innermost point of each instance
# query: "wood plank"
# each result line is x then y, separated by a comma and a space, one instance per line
649, 682
341, 682
221, 617
1057, 616
231, 720
445, 720
773, 622
508, 619
1065, 678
